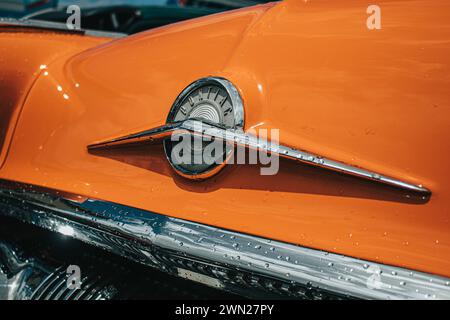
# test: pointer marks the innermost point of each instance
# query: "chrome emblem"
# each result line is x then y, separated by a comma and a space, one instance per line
211, 109
215, 101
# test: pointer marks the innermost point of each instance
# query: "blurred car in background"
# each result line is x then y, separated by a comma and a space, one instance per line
126, 19
125, 16
225, 4
18, 8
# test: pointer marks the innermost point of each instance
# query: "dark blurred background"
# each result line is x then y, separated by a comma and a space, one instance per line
125, 16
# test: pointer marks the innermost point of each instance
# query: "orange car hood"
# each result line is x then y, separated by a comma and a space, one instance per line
378, 99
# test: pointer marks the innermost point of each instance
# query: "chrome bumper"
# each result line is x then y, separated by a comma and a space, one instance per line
31, 279
216, 257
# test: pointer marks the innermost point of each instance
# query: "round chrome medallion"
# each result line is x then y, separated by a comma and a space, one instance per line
213, 100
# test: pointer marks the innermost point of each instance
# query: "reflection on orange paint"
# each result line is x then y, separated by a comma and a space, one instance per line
23, 56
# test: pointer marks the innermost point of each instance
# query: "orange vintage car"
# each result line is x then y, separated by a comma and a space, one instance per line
328, 176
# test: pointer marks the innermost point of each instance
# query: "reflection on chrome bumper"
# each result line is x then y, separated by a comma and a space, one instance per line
213, 256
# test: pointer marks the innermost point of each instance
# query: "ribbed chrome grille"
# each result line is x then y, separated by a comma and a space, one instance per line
34, 266
54, 287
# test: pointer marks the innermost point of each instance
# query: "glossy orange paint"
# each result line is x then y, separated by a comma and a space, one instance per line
377, 99
19, 68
